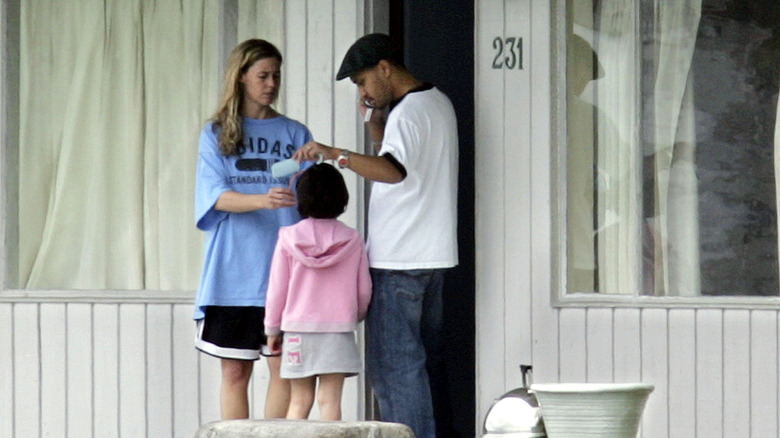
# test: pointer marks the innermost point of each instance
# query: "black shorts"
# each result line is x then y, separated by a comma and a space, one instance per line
233, 333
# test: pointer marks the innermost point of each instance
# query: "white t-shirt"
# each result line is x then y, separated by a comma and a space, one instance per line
413, 224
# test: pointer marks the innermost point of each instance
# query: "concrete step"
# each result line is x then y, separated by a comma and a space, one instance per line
303, 429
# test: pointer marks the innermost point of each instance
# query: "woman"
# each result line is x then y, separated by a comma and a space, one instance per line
241, 207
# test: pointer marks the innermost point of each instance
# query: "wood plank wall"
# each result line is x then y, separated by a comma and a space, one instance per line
715, 370
108, 368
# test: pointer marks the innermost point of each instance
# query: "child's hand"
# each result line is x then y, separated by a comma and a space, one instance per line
275, 344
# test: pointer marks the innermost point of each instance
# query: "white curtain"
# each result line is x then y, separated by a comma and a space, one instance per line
618, 163
113, 95
673, 226
676, 197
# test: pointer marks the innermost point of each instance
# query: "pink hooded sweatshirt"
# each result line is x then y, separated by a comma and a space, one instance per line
319, 280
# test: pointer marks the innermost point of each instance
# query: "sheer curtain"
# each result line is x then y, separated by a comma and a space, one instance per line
676, 199
114, 93
670, 229
618, 162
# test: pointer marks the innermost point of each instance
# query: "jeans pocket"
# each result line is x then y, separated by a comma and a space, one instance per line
407, 285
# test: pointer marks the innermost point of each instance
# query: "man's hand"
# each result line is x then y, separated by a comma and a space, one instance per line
312, 150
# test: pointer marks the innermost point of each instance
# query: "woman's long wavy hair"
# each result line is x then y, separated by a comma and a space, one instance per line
228, 116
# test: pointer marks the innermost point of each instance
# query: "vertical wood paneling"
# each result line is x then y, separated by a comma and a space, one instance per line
348, 131
655, 370
320, 72
294, 71
682, 371
763, 373
490, 335
7, 360
132, 370
599, 332
186, 417
261, 376
351, 396
53, 350
736, 373
489, 134
627, 347
159, 366
26, 384
79, 360
210, 379
106, 374
545, 318
517, 195
627, 358
573, 350
709, 373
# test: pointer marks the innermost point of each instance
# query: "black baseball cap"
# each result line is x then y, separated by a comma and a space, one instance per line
366, 52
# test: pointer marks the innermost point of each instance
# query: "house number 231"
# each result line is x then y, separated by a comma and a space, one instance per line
509, 53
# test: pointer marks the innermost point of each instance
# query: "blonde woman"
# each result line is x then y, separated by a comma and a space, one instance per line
241, 207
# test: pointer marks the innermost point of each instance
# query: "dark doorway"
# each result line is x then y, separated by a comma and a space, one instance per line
438, 42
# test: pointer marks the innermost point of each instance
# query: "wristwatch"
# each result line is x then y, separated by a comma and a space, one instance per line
343, 159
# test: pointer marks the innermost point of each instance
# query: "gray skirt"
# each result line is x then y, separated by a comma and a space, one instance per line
312, 354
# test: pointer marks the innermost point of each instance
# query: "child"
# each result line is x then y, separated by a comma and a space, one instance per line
319, 289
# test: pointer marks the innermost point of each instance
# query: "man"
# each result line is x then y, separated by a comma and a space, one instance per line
412, 223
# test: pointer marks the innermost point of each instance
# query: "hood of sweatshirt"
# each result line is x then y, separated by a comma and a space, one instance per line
319, 243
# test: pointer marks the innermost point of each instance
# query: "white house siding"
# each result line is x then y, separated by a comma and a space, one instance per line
715, 370
122, 363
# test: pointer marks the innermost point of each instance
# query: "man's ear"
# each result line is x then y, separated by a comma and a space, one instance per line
384, 68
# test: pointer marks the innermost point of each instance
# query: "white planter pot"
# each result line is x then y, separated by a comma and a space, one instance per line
589, 410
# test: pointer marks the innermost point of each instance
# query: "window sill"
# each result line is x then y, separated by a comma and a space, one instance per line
97, 296
629, 301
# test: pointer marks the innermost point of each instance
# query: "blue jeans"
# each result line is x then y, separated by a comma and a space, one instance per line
403, 336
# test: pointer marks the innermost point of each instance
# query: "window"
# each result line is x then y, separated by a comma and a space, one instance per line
671, 121
111, 99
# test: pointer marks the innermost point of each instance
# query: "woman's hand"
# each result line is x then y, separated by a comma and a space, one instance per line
280, 197
235, 202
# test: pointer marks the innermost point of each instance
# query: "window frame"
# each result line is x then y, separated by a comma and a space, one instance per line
10, 12
558, 143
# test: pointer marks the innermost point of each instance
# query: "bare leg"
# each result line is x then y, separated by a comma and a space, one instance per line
235, 380
301, 398
278, 397
329, 396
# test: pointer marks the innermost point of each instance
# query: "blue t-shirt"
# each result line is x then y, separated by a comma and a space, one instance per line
239, 246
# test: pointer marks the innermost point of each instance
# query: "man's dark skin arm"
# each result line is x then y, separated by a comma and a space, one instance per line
371, 167
374, 168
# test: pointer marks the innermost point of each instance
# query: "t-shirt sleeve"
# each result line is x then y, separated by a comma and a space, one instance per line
210, 181
401, 141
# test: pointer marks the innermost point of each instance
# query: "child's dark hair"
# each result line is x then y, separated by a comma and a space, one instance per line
322, 193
